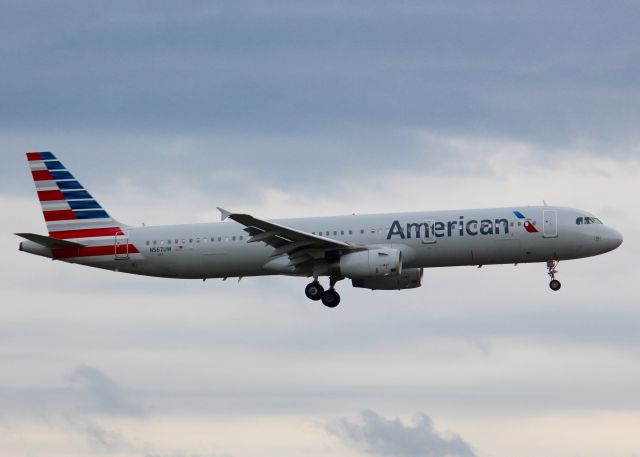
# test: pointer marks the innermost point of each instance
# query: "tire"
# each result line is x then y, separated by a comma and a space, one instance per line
555, 285
331, 298
314, 291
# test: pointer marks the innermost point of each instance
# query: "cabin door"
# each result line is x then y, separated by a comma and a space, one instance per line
121, 246
549, 223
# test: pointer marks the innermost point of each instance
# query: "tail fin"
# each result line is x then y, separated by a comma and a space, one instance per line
68, 208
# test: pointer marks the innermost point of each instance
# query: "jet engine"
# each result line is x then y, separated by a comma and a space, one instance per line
410, 278
371, 263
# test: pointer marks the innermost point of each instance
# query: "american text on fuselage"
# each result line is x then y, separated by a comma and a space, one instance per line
440, 229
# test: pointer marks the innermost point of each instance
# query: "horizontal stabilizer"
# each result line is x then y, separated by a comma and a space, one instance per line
49, 242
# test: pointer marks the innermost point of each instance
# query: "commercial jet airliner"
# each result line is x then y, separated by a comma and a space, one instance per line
375, 251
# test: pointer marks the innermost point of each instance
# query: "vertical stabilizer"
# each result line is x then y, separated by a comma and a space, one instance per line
69, 210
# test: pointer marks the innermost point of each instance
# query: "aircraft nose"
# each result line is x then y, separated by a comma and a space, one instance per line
613, 239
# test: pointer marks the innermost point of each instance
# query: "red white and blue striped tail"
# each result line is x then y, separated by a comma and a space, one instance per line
68, 208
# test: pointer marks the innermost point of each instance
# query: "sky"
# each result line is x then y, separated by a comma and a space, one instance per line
165, 110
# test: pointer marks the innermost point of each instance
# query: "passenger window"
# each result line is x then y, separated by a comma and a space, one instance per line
190, 240
148, 243
373, 231
241, 238
335, 232
226, 238
176, 241
350, 232
168, 241
361, 231
204, 240
155, 242
213, 238
341, 232
233, 238
219, 238
184, 241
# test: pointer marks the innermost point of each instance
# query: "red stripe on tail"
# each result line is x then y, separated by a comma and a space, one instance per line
90, 251
50, 195
33, 156
59, 215
42, 175
85, 233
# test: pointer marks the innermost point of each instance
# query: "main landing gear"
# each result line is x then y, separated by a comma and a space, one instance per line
551, 271
330, 298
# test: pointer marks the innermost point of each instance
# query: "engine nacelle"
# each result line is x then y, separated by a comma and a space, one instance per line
410, 278
371, 263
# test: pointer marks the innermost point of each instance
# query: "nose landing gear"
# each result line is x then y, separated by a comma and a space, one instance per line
554, 284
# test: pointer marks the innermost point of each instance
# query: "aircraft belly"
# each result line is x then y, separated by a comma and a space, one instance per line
205, 263
500, 250
470, 251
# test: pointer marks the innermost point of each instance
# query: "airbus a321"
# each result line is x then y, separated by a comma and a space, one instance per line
374, 251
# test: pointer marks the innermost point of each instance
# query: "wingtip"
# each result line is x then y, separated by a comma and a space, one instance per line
224, 214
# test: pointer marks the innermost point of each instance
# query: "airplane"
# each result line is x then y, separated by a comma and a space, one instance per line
375, 251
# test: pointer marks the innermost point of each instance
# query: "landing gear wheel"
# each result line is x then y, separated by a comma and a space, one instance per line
314, 291
331, 298
551, 271
555, 285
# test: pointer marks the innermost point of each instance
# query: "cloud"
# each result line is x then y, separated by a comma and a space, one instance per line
104, 393
377, 435
99, 437
552, 72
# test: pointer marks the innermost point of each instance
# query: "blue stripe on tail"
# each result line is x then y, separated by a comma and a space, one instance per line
76, 194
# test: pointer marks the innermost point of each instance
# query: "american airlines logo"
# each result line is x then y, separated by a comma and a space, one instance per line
526, 221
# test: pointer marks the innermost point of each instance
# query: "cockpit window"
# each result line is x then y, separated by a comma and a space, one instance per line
588, 220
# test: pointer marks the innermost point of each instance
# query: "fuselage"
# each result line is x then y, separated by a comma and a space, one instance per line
425, 239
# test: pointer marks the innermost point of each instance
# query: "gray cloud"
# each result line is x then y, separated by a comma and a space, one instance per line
99, 437
377, 435
107, 440
548, 73
104, 393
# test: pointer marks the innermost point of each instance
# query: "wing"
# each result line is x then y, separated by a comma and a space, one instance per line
299, 246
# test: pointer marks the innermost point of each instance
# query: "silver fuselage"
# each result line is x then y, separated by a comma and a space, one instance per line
426, 239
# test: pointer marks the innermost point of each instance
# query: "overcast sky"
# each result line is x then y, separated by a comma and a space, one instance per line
165, 110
